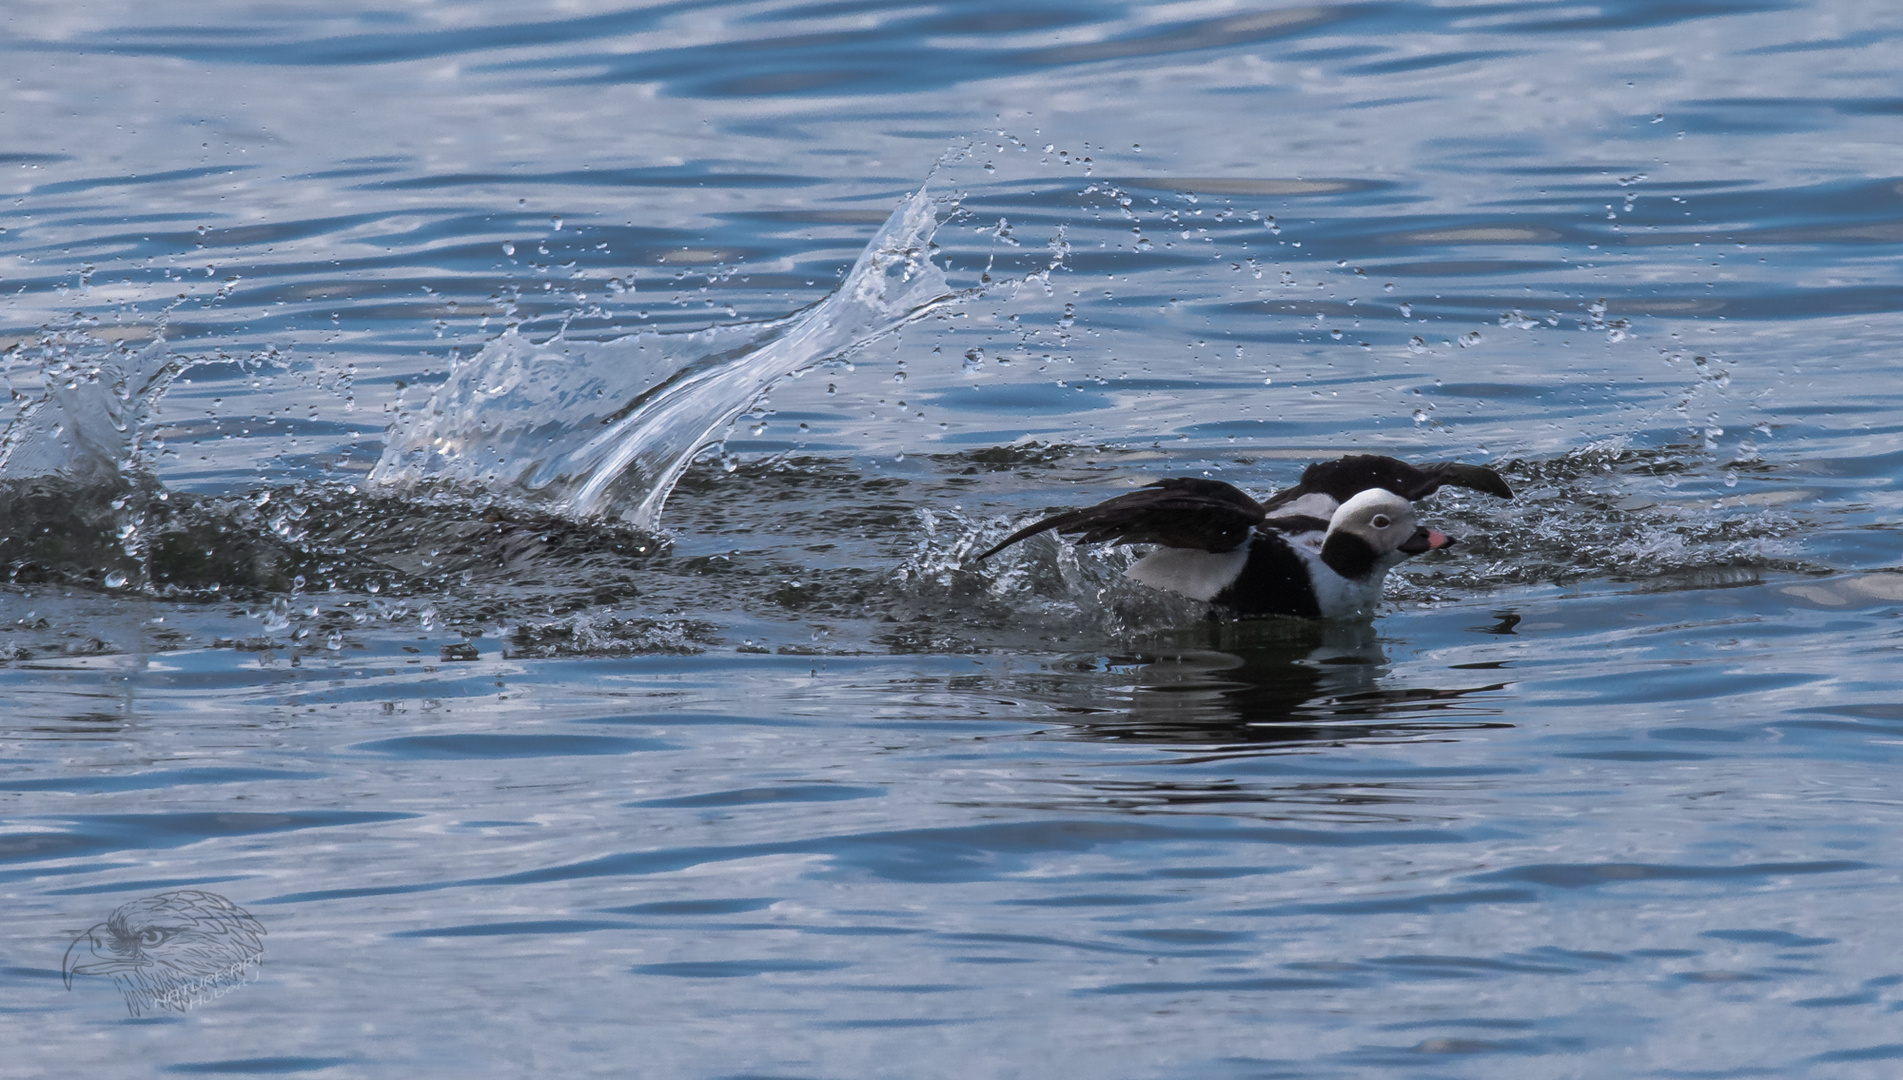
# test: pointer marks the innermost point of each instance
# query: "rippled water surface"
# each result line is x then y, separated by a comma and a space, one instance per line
491, 489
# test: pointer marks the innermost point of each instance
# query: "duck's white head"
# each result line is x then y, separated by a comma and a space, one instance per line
1373, 532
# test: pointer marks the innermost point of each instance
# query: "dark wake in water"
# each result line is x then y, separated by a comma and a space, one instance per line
523, 504
807, 554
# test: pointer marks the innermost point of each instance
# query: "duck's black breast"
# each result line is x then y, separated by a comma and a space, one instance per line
1274, 581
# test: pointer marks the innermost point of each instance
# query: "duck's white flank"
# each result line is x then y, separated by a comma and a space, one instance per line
1194, 573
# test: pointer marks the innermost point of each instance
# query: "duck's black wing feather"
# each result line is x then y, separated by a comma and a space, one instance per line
1472, 477
1182, 512
1344, 478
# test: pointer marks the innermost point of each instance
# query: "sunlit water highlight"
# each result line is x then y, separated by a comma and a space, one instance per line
354, 353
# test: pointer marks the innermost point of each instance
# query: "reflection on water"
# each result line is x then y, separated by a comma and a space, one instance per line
1266, 682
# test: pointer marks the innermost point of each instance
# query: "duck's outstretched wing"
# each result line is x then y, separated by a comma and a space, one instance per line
1183, 512
1344, 478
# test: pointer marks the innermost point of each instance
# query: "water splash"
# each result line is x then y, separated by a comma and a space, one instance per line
74, 483
606, 428
87, 426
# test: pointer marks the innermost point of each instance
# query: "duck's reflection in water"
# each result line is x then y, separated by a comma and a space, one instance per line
1273, 681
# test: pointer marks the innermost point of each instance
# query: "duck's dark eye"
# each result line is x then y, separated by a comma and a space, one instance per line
1380, 521
149, 938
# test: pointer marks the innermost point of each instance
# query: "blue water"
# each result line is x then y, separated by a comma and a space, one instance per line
790, 787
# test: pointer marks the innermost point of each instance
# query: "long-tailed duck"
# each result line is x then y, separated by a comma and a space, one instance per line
1319, 549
